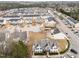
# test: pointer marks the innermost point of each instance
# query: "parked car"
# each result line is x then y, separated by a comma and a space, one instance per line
72, 30
66, 33
73, 51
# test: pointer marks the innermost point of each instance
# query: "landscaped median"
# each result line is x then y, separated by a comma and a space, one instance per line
65, 44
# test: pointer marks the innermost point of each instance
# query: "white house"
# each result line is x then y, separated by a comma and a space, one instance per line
37, 49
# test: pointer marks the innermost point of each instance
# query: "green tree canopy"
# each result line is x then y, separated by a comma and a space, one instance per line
19, 50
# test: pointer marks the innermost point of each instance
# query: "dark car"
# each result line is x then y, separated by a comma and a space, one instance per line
74, 51
76, 32
72, 30
66, 33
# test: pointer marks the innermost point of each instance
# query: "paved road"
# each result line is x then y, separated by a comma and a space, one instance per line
73, 38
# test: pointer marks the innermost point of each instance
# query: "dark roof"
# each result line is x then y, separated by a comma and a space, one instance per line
30, 15
50, 19
13, 19
56, 31
1, 20
10, 16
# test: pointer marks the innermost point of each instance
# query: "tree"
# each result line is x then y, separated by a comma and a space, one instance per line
16, 50
19, 50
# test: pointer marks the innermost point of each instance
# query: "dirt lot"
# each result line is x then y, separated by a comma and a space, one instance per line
34, 36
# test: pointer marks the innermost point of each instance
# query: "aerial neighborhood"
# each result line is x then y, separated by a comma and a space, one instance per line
40, 29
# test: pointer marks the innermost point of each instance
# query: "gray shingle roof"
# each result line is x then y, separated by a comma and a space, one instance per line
21, 35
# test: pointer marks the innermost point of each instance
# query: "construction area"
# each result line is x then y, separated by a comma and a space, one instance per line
37, 29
